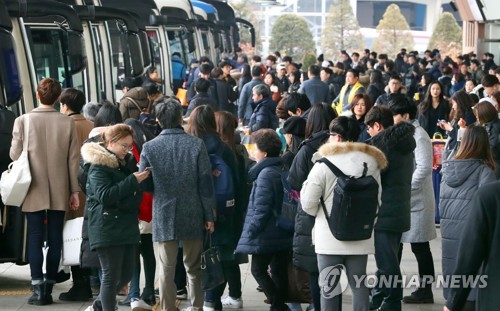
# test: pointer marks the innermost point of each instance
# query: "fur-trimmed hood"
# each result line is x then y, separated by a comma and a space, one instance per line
331, 149
398, 137
95, 153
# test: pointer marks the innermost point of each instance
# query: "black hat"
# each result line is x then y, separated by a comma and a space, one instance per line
295, 126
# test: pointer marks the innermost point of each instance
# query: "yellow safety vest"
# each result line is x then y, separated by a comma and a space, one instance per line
338, 106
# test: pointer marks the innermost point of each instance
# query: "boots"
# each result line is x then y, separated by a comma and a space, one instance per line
39, 297
48, 292
80, 291
421, 295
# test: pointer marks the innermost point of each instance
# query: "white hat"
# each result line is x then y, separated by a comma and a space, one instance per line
280, 66
325, 64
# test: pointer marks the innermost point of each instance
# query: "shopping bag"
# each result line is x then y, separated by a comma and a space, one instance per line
72, 241
212, 274
438, 146
16, 180
182, 96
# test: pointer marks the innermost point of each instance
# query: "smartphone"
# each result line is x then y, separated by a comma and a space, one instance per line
149, 168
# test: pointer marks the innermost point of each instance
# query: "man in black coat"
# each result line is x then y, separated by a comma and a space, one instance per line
397, 143
479, 248
395, 86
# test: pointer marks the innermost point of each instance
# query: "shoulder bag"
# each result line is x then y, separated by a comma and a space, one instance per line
16, 180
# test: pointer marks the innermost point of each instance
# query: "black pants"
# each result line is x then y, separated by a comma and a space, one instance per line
117, 266
274, 287
425, 262
386, 257
232, 276
36, 236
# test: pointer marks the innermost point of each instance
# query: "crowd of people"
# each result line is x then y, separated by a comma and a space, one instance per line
157, 179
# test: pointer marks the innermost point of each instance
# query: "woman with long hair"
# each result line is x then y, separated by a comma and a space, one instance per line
472, 167
461, 115
226, 128
202, 124
433, 108
113, 199
360, 105
294, 77
377, 85
487, 116
274, 85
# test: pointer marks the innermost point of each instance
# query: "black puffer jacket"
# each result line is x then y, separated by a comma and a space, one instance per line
493, 129
397, 143
304, 255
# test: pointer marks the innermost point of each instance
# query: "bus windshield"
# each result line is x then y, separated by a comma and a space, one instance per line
49, 51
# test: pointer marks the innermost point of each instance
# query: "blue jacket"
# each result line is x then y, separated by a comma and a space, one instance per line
264, 115
245, 101
260, 233
178, 68
316, 90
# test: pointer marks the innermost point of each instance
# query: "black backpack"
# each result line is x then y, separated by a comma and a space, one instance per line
355, 204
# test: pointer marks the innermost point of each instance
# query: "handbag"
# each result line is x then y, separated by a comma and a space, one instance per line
72, 242
182, 96
212, 274
16, 180
438, 147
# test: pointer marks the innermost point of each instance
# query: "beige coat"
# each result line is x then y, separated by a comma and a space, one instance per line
83, 128
54, 156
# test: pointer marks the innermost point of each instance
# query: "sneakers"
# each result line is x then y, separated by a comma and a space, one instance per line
232, 303
182, 294
139, 305
205, 308
90, 308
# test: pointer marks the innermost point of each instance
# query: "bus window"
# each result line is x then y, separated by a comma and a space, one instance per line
183, 42
49, 49
9, 72
156, 52
98, 59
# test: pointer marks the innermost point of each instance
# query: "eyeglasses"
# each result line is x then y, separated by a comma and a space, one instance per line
126, 147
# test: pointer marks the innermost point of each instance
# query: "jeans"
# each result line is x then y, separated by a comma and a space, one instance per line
355, 266
436, 182
148, 257
386, 257
273, 286
117, 266
232, 276
425, 262
36, 230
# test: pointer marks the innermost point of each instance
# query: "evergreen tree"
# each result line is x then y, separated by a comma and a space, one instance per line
291, 34
341, 30
447, 36
393, 33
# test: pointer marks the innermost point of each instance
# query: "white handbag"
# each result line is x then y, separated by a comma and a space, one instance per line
16, 180
72, 242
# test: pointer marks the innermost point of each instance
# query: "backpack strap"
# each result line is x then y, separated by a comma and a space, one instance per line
137, 105
335, 170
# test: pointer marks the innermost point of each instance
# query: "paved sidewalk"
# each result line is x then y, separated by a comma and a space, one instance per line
15, 287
